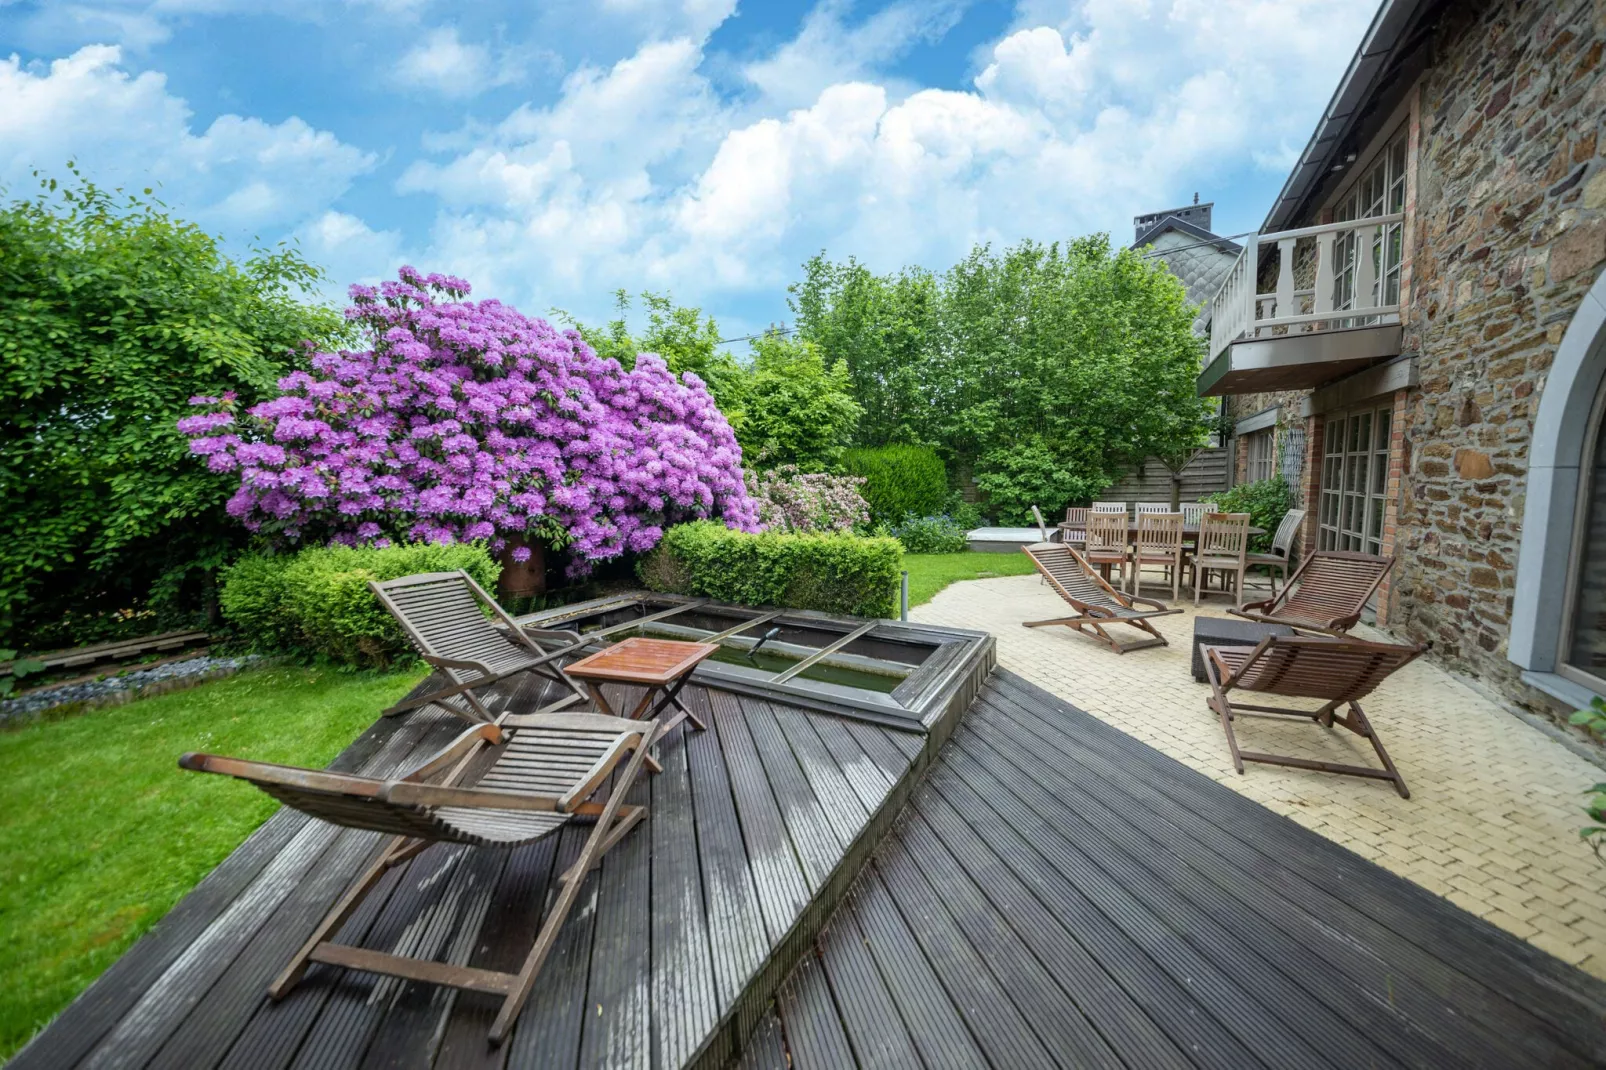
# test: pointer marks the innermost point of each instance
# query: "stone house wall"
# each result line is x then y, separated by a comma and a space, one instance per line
1509, 233
1505, 233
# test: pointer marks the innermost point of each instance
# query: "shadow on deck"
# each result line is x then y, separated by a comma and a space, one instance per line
1052, 893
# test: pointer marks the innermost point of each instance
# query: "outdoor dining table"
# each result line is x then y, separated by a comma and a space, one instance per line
1190, 536
660, 666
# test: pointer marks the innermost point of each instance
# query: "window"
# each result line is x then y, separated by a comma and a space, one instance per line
1583, 647
1380, 191
1355, 472
1262, 454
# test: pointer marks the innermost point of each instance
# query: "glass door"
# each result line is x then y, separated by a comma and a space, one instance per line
1355, 465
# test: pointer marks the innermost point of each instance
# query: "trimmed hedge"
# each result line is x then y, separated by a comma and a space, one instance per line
317, 602
833, 573
899, 480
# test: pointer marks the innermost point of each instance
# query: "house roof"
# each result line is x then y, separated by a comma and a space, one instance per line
1182, 226
1388, 56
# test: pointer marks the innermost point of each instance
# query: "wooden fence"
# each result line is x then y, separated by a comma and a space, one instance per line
1151, 481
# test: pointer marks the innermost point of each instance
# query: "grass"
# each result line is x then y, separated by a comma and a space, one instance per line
930, 573
100, 833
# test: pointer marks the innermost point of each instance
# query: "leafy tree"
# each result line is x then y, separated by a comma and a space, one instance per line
799, 409
112, 315
1042, 368
686, 339
882, 326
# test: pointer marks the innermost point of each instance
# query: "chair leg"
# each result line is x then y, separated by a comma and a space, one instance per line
602, 834
1218, 702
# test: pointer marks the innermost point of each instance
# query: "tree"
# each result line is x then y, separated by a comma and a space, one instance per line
799, 410
881, 326
1042, 369
687, 340
112, 315
468, 420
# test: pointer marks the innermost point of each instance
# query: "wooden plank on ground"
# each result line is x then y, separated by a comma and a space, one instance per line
870, 1018
816, 843
813, 1027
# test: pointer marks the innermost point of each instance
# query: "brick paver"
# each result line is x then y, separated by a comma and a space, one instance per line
1492, 822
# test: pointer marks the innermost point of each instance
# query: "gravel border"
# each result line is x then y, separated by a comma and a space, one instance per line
116, 690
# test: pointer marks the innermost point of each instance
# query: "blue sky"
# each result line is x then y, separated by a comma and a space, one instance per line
552, 153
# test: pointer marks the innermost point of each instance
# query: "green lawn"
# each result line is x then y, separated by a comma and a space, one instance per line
101, 833
930, 573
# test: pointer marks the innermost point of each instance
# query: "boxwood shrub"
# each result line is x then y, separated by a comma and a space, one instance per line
834, 573
317, 602
899, 480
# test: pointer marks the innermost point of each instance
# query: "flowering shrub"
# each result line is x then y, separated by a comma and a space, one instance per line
789, 500
472, 421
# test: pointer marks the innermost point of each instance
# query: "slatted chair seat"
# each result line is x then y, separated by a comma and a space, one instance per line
442, 615
1334, 671
542, 780
1325, 594
1096, 602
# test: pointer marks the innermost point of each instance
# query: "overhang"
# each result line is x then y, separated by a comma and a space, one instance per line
1300, 361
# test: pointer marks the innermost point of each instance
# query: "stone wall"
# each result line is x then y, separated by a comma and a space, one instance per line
1509, 233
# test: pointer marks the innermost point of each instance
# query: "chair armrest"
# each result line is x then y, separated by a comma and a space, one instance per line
1262, 606
289, 775
408, 793
454, 751
1146, 601
579, 721
457, 663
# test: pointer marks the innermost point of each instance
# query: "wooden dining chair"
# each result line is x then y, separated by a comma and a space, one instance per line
1223, 547
1282, 546
1109, 507
1107, 542
1076, 533
1193, 512
1159, 542
1144, 508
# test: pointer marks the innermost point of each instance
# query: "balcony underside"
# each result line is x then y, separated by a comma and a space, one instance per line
1299, 361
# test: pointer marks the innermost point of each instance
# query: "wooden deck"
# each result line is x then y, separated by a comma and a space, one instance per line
1058, 894
680, 940
1046, 891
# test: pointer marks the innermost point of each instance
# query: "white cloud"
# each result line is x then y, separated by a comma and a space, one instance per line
446, 65
239, 174
1080, 117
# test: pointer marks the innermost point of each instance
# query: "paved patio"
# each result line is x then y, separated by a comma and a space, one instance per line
1495, 803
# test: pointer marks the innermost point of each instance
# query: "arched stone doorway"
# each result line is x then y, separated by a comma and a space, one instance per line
1558, 473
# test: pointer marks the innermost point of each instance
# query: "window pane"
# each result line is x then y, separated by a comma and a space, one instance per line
1587, 651
1384, 418
1380, 474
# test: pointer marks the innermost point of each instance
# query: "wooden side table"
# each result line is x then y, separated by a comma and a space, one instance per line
662, 666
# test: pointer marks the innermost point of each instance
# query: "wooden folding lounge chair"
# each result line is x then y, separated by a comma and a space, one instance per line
542, 781
1325, 594
440, 612
1335, 671
1097, 604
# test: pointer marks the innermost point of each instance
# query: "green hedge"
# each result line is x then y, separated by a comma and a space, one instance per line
1266, 501
317, 602
899, 481
833, 573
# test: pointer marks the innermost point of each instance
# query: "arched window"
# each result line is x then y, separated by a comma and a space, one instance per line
1583, 644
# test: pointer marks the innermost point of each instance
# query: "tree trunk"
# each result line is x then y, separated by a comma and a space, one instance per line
522, 579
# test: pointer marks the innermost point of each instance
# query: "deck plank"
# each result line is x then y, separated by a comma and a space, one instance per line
814, 1034
874, 1026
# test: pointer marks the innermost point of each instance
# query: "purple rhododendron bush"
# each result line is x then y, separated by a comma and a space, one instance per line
469, 420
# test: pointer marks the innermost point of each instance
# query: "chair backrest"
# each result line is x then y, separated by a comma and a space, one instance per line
1283, 541
1224, 535
1106, 533
440, 612
1153, 507
1160, 534
1331, 585
1306, 666
1042, 528
1076, 514
1109, 507
1074, 578
1193, 512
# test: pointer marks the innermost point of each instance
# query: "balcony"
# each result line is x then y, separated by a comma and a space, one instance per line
1300, 337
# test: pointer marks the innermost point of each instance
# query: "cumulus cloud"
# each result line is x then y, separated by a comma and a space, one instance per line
239, 174
443, 64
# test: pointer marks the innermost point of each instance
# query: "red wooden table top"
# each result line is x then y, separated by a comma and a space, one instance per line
639, 660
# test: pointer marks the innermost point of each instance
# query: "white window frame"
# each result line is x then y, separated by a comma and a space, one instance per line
1262, 452
1355, 479
1380, 190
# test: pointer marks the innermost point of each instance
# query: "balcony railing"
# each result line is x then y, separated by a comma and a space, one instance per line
1350, 253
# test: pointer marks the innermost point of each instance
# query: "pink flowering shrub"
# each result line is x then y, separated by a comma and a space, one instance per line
789, 500
468, 420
